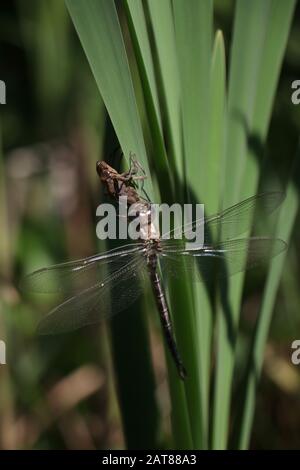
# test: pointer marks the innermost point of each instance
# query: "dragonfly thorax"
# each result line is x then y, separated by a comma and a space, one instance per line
152, 250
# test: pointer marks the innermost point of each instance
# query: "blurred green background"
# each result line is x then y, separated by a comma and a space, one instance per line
60, 392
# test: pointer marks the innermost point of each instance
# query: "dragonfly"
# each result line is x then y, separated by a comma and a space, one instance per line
105, 284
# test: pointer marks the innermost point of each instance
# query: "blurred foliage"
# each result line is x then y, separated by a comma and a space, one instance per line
59, 392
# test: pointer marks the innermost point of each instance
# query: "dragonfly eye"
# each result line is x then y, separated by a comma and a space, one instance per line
101, 168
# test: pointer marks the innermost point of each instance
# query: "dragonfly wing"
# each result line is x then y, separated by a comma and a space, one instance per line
75, 276
102, 300
233, 221
221, 259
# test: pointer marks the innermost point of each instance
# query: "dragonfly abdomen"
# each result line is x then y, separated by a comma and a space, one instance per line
164, 314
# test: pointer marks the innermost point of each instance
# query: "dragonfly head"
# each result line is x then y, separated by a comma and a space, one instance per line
105, 171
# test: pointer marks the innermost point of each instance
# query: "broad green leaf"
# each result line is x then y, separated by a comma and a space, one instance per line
98, 28
247, 122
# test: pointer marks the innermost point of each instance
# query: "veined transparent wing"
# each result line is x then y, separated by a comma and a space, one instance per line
218, 260
102, 300
75, 276
233, 221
